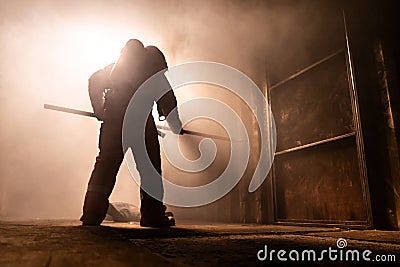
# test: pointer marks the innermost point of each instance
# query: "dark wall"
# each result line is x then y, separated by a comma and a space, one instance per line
372, 39
290, 36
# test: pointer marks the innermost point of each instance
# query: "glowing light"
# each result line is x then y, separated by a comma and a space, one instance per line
71, 53
93, 48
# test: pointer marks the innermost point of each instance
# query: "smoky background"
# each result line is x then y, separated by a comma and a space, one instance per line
47, 54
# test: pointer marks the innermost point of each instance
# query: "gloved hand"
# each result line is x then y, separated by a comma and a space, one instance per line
174, 122
99, 114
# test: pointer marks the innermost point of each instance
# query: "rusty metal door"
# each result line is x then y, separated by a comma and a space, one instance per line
319, 174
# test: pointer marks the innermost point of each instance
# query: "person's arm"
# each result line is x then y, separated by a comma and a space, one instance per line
98, 83
167, 104
167, 108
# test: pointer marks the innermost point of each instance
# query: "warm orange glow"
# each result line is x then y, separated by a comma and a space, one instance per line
94, 47
73, 53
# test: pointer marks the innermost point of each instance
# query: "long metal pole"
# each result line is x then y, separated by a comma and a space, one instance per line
91, 114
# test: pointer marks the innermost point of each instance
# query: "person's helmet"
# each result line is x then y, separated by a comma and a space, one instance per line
128, 66
132, 46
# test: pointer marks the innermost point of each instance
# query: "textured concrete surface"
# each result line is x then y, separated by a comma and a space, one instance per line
66, 243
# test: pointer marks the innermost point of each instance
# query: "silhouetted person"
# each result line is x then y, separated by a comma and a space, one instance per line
110, 90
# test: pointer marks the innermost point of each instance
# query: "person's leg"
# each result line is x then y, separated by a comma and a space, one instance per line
152, 208
104, 174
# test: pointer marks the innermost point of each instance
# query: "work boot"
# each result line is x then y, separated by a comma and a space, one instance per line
167, 220
153, 213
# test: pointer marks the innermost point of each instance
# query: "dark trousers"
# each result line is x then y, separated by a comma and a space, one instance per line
107, 165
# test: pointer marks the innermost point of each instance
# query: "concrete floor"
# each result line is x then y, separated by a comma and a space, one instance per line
66, 243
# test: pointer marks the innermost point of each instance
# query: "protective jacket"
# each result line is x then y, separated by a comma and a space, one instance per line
111, 88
